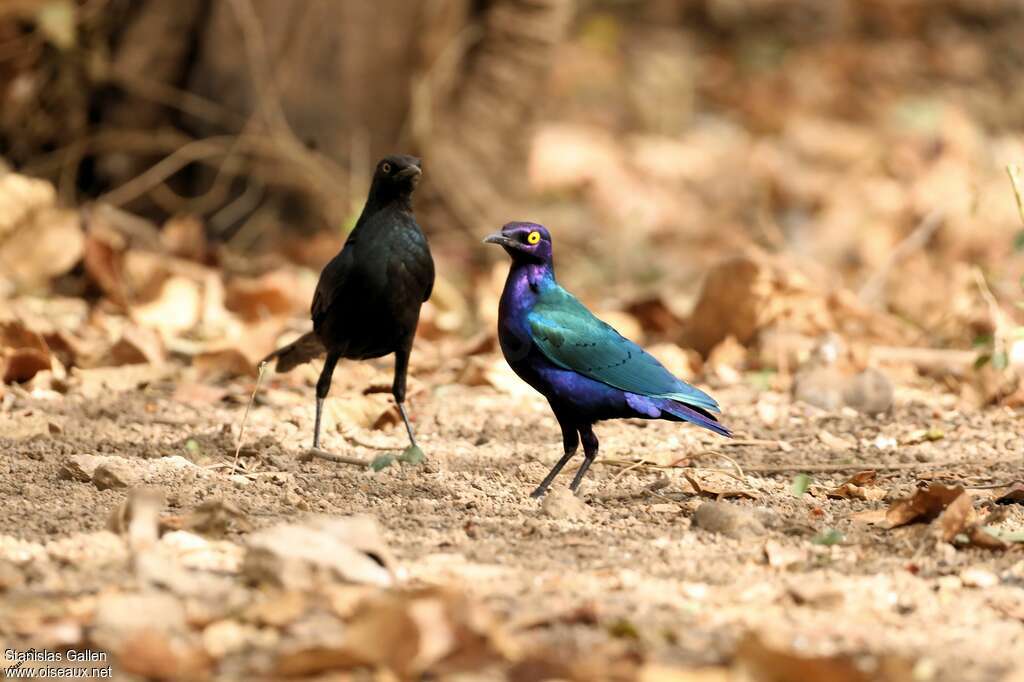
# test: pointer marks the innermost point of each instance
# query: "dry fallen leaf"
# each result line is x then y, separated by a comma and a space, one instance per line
659, 673
834, 442
137, 345
871, 517
49, 243
656, 317
781, 556
226, 363
981, 538
185, 237
23, 353
726, 360
681, 362
858, 487
254, 298
1011, 494
104, 262
717, 486
955, 517
175, 310
211, 518
408, 633
298, 555
759, 661
923, 506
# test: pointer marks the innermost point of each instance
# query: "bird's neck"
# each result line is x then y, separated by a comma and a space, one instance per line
527, 278
380, 199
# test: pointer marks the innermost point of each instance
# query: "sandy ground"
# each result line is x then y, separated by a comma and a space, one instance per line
628, 567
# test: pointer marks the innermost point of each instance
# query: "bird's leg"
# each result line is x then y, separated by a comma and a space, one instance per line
323, 385
589, 455
570, 441
398, 388
412, 454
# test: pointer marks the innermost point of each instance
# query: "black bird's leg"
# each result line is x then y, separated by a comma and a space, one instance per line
570, 441
323, 385
589, 455
398, 388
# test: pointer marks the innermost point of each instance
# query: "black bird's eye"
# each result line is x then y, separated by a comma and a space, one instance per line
386, 167
533, 237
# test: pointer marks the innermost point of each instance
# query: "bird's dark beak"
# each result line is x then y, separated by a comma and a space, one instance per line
409, 172
500, 239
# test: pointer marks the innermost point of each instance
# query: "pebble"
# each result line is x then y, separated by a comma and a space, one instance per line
561, 503
114, 473
727, 519
978, 577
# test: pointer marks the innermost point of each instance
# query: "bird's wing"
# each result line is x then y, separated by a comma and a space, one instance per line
571, 337
332, 280
413, 251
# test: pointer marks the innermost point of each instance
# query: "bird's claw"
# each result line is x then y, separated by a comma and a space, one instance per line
412, 455
382, 462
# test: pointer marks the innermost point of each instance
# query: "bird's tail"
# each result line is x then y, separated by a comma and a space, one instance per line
694, 415
300, 351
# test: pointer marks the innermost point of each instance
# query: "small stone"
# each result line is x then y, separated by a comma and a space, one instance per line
120, 614
20, 552
821, 387
869, 392
11, 576
727, 519
561, 503
298, 555
115, 472
79, 467
89, 549
227, 637
978, 577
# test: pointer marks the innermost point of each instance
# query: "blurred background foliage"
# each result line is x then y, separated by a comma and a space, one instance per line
851, 150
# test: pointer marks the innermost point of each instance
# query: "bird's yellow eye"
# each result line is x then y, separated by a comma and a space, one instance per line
386, 167
533, 237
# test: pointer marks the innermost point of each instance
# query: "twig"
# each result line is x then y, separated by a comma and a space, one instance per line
331, 457
989, 486
739, 442
1015, 179
739, 470
625, 470
916, 240
825, 468
995, 312
356, 440
170, 96
245, 416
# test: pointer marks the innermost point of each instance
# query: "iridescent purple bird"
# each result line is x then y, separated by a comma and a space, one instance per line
587, 371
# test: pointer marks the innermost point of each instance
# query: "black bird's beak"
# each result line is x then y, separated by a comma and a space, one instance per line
500, 239
409, 172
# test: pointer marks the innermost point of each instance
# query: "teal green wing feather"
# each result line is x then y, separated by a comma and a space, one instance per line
571, 337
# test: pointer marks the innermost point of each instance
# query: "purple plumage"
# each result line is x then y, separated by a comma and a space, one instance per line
587, 371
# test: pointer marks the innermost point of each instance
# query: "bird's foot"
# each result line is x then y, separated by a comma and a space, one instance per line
411, 455
539, 492
308, 456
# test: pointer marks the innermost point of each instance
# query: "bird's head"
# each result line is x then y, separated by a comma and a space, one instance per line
396, 176
528, 242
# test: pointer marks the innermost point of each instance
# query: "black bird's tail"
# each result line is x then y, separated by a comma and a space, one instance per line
300, 351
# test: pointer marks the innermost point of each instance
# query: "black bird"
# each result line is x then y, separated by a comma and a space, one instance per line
367, 302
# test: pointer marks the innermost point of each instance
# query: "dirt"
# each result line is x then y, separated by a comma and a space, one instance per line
629, 568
